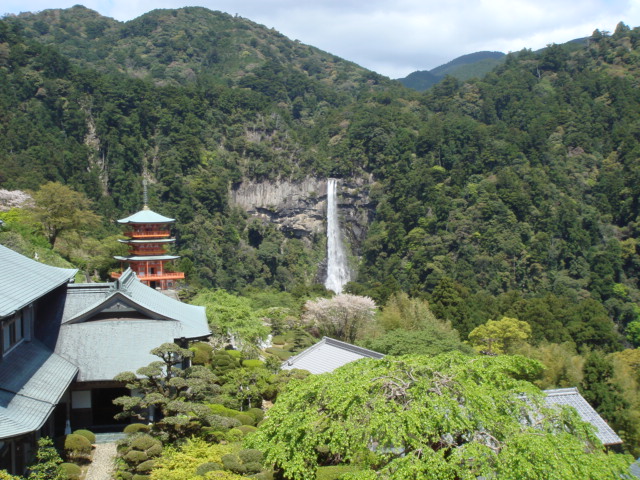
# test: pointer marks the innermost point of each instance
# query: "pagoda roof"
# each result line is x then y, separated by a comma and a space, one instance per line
24, 280
154, 240
146, 216
144, 258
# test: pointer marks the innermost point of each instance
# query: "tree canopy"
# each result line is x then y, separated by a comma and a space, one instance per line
446, 417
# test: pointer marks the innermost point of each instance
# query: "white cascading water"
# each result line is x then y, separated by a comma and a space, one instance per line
337, 268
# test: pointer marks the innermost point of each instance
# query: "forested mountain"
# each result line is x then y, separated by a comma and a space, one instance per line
472, 65
514, 194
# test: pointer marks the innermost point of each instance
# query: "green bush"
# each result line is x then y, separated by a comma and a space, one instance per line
278, 352
146, 466
140, 477
256, 413
250, 455
245, 429
234, 353
89, 435
232, 462
144, 442
246, 419
334, 472
135, 457
136, 428
154, 450
70, 471
77, 446
124, 475
234, 435
263, 476
208, 467
252, 363
202, 353
214, 436
279, 340
218, 409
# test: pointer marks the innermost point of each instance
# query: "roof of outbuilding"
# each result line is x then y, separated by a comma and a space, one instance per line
327, 355
146, 216
32, 381
24, 280
571, 397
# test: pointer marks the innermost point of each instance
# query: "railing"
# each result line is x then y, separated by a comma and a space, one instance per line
143, 251
154, 276
148, 233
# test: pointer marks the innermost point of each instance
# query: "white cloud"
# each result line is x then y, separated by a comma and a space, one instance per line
396, 37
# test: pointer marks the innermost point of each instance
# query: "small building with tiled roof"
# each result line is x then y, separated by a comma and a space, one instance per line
571, 397
62, 344
327, 355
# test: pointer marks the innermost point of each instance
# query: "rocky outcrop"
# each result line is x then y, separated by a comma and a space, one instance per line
299, 208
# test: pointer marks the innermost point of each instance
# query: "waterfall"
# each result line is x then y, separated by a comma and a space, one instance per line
337, 268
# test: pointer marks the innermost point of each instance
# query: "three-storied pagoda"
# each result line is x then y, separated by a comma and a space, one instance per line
149, 235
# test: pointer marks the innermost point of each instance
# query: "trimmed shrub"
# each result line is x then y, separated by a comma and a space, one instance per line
124, 475
234, 435
256, 413
146, 466
278, 352
208, 467
136, 428
212, 435
77, 446
202, 353
137, 476
154, 450
232, 462
144, 442
245, 429
252, 363
71, 471
246, 419
250, 455
263, 476
218, 409
234, 353
252, 467
89, 435
279, 340
135, 457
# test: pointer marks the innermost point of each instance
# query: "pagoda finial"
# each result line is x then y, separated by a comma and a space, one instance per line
145, 197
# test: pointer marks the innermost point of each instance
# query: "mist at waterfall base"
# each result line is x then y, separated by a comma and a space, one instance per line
338, 273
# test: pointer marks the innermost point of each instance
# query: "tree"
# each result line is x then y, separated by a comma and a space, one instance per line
500, 336
446, 417
340, 317
61, 209
47, 462
179, 394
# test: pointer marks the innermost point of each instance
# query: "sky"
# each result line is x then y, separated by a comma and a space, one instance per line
397, 37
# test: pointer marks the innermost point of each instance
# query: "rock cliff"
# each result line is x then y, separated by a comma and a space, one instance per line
299, 208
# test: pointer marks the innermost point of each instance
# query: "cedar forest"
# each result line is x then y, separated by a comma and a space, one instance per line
509, 202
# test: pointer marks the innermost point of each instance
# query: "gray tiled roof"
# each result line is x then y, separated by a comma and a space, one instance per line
572, 398
146, 216
105, 348
86, 300
32, 381
105, 344
327, 355
24, 280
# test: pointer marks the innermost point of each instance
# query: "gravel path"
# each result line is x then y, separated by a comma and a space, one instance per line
102, 466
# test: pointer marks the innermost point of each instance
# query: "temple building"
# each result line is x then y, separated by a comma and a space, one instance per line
148, 235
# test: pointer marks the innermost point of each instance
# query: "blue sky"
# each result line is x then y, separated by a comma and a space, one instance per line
397, 37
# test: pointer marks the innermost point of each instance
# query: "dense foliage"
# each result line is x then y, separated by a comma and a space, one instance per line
444, 417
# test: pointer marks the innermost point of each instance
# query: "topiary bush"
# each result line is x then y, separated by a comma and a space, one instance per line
251, 455
279, 340
234, 435
70, 471
218, 409
246, 419
77, 446
136, 428
144, 442
245, 429
208, 467
232, 462
256, 413
252, 363
135, 457
146, 466
89, 435
202, 353
140, 477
